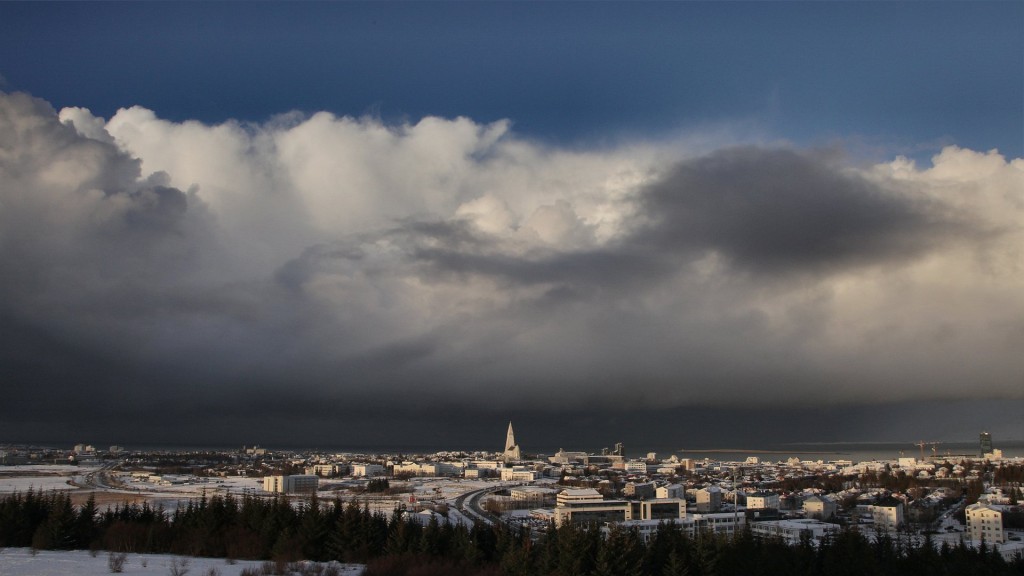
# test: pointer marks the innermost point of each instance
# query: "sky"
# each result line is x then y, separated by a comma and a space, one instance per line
408, 223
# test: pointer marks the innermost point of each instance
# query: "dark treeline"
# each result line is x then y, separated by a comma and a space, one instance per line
275, 529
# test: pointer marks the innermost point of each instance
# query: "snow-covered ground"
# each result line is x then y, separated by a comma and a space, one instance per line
22, 562
171, 492
43, 477
23, 484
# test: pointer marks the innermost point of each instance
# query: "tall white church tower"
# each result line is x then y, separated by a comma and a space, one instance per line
511, 448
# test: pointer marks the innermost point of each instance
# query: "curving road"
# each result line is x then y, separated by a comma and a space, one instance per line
469, 504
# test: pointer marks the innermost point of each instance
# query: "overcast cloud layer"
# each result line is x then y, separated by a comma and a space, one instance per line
315, 262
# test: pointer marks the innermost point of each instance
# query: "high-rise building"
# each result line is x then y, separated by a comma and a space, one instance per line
511, 448
986, 444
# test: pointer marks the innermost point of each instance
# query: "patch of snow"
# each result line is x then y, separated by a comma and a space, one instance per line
23, 562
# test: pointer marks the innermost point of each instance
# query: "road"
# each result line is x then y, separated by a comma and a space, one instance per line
469, 504
97, 479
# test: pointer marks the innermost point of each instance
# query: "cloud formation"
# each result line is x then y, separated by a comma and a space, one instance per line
320, 261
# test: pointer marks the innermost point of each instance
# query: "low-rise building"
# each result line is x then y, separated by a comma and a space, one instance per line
586, 505
532, 495
820, 507
792, 531
518, 474
692, 525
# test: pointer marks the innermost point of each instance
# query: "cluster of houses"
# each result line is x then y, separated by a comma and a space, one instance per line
704, 495
697, 494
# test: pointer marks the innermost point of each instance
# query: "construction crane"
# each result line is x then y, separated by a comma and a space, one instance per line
922, 444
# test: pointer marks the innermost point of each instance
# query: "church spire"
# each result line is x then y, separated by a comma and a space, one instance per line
511, 448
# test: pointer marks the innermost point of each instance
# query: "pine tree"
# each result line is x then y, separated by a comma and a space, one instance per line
675, 566
86, 523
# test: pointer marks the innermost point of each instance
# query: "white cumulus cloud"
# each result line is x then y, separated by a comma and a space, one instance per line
449, 258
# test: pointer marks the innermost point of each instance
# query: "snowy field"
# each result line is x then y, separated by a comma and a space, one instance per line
23, 484
21, 562
44, 477
124, 487
196, 486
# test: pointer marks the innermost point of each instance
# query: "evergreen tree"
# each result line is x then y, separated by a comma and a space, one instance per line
675, 565
86, 523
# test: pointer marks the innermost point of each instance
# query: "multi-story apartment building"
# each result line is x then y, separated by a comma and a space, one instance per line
640, 490
294, 484
709, 499
985, 523
763, 501
670, 491
367, 470
887, 514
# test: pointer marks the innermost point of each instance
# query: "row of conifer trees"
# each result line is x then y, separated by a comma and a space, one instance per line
277, 529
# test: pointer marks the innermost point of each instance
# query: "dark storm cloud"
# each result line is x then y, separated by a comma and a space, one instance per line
766, 210
590, 269
779, 210
93, 257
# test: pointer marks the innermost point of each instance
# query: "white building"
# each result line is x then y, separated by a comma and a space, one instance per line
485, 464
721, 523
709, 499
325, 470
910, 463
636, 466
405, 469
820, 507
518, 474
476, 473
640, 490
586, 505
367, 470
577, 495
670, 491
791, 531
691, 525
887, 515
531, 495
294, 484
563, 457
763, 501
985, 523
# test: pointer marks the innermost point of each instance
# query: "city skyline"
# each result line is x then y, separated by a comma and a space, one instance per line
376, 222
